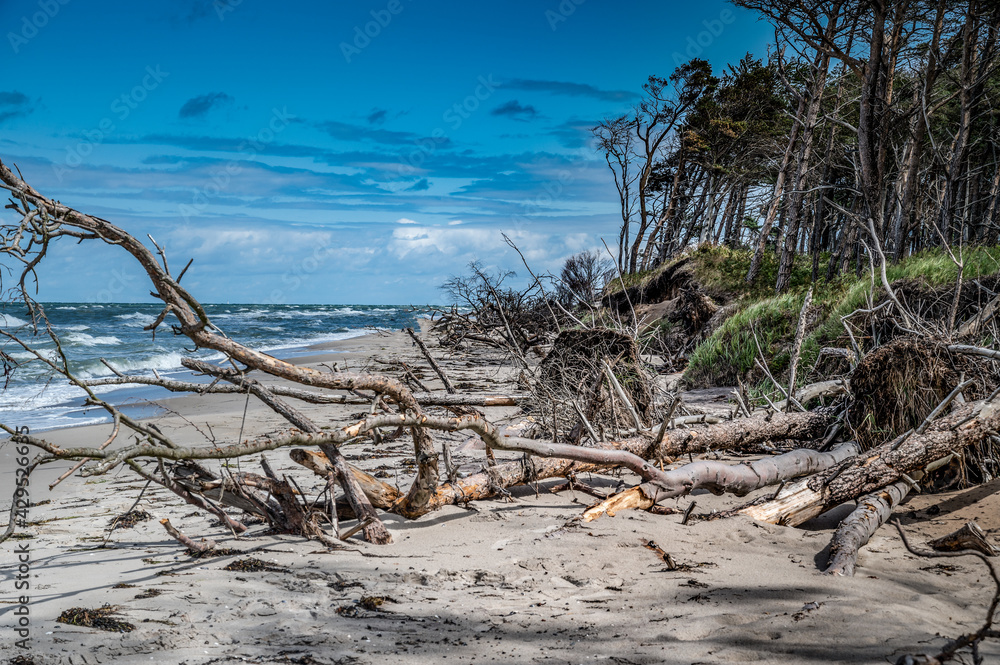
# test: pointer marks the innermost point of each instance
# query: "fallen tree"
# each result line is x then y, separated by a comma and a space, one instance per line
854, 532
720, 478
746, 434
880, 466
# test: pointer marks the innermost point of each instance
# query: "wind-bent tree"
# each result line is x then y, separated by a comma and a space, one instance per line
871, 131
633, 143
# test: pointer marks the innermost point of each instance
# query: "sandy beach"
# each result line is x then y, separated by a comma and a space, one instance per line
518, 581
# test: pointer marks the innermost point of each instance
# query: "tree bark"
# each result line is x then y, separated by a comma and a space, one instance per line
721, 478
857, 529
879, 467
744, 434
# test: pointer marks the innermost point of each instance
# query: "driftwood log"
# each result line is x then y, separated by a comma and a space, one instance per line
881, 466
720, 478
310, 396
745, 434
857, 528
969, 537
192, 545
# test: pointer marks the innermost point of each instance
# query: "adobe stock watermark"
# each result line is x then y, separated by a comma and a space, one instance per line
294, 277
118, 283
223, 7
22, 579
364, 34
562, 12
121, 108
248, 149
454, 116
32, 24
697, 44
553, 189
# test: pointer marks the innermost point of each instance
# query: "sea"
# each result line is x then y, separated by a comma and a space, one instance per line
36, 397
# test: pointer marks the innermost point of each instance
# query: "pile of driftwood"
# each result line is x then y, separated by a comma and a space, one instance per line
604, 415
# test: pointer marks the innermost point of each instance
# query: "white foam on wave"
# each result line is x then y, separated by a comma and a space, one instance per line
11, 321
245, 315
159, 361
41, 395
312, 340
74, 328
136, 319
31, 365
83, 339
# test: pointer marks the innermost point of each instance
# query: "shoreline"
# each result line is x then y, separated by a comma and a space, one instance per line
94, 333
518, 581
146, 407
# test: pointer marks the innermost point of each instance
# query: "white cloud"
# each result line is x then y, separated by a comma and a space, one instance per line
545, 251
404, 220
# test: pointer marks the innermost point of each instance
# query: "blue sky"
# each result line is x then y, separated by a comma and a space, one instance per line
333, 152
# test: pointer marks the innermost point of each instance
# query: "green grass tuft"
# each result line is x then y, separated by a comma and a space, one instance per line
729, 353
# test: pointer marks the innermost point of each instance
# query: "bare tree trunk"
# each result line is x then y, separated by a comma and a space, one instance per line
676, 190
721, 478
955, 171
870, 112
879, 467
776, 197
795, 211
857, 529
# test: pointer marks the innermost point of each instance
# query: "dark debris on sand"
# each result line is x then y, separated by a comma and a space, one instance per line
148, 593
130, 519
99, 617
217, 551
363, 606
252, 565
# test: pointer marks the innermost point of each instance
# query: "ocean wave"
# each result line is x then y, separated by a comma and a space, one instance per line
74, 328
313, 340
83, 339
11, 321
71, 309
243, 314
41, 395
93, 369
30, 360
136, 319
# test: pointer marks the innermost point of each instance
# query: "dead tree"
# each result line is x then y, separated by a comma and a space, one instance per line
881, 466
